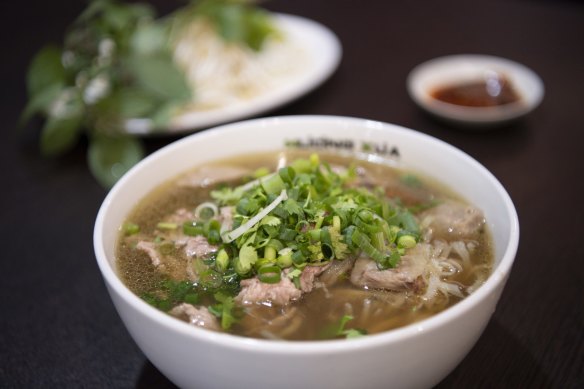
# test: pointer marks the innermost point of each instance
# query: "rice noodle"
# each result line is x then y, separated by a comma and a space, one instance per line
366, 311
460, 248
223, 73
449, 267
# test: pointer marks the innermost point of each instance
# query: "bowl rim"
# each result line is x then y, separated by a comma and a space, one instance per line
114, 283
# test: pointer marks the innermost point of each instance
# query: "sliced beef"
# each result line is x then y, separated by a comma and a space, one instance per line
199, 317
180, 216
336, 271
150, 249
254, 291
210, 175
408, 275
195, 246
308, 275
452, 220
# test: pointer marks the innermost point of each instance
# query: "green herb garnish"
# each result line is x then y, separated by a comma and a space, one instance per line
115, 75
306, 214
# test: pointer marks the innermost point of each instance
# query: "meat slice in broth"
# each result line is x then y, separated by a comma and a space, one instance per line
337, 271
408, 275
281, 293
196, 246
200, 317
308, 275
254, 291
452, 220
150, 249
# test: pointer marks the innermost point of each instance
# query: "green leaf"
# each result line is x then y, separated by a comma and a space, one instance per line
41, 101
45, 70
110, 157
259, 27
132, 103
227, 306
149, 38
159, 75
247, 256
240, 23
272, 221
60, 134
163, 114
120, 16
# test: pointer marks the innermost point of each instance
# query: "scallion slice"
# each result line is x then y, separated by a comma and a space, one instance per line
270, 274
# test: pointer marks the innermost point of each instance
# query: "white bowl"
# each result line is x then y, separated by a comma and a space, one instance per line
415, 356
445, 71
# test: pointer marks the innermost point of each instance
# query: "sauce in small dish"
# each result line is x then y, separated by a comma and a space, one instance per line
475, 90
492, 91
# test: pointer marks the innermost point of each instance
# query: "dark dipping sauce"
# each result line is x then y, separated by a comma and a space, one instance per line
486, 93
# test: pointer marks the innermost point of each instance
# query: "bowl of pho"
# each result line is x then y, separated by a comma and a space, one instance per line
306, 251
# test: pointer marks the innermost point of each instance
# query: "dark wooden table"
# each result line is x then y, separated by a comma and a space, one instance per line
58, 327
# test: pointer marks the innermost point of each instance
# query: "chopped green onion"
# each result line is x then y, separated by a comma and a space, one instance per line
287, 234
298, 258
314, 235
284, 260
222, 260
270, 274
275, 244
131, 229
337, 222
406, 241
167, 226
206, 211
191, 228
363, 242
214, 237
270, 253
241, 268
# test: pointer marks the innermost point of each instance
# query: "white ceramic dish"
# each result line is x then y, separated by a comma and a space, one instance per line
450, 70
415, 356
321, 51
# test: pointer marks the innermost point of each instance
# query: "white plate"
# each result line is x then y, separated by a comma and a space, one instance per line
322, 51
444, 71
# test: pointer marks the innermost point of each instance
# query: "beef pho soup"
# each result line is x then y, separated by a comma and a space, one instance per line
299, 246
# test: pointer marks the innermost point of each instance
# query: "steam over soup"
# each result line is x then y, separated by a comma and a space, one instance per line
296, 246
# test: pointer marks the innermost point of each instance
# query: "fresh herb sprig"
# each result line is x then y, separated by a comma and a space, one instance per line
115, 69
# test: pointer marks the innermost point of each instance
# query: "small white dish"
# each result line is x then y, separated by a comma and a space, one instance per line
321, 53
453, 70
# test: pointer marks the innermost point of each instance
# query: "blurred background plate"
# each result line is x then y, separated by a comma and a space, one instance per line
315, 46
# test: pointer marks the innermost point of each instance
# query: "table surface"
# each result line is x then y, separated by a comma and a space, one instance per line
59, 327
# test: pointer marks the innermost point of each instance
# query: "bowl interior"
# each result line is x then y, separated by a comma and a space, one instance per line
405, 147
